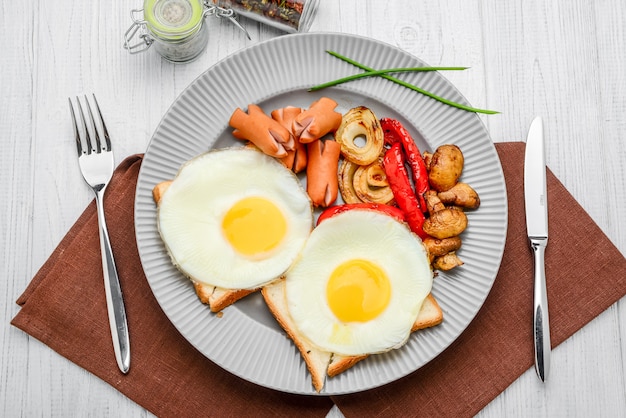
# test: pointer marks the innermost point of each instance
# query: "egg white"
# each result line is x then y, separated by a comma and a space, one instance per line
191, 211
359, 234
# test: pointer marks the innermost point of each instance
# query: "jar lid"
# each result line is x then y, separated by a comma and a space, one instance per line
173, 19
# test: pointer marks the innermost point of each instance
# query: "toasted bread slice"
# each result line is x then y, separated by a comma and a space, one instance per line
322, 363
216, 297
430, 315
219, 298
316, 360
159, 190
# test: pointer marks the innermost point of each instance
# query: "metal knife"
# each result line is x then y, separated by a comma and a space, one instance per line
536, 201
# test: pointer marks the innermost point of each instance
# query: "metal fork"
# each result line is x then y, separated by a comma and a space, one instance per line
96, 165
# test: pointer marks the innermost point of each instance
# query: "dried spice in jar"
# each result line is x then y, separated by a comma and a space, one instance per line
287, 15
178, 31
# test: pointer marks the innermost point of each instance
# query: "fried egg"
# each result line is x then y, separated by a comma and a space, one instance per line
358, 284
234, 218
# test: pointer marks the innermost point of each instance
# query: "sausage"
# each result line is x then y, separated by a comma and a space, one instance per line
263, 131
318, 120
285, 116
321, 172
296, 159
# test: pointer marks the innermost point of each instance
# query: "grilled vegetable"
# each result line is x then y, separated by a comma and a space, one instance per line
398, 178
360, 123
446, 166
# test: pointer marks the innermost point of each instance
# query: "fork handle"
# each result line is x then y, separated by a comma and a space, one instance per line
113, 291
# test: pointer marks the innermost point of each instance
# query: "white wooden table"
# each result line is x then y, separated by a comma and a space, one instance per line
564, 60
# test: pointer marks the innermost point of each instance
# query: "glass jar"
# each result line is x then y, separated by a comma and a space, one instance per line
178, 31
287, 15
176, 28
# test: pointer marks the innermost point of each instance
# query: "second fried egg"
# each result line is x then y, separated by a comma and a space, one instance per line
359, 283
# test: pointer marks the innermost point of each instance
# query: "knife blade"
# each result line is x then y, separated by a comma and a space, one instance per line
536, 203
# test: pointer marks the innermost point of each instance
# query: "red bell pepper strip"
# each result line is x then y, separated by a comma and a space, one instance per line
389, 135
392, 211
398, 178
395, 130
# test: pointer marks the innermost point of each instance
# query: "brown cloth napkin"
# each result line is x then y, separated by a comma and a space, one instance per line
64, 307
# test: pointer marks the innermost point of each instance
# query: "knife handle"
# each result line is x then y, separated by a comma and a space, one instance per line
541, 322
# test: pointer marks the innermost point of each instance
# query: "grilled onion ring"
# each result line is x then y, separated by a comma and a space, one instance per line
367, 184
370, 184
360, 122
346, 182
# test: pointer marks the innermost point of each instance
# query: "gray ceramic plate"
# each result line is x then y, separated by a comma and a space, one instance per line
247, 341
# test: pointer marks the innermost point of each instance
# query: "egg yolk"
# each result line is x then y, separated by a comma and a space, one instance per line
254, 225
358, 290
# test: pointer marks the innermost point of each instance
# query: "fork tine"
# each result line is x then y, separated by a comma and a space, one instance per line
94, 125
104, 128
79, 146
82, 119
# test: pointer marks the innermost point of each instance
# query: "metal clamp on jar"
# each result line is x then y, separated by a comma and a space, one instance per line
176, 28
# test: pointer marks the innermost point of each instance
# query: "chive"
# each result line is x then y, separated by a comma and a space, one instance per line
385, 75
381, 72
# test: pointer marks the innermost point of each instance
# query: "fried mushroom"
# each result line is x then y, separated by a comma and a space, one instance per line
446, 166
445, 223
447, 261
461, 194
437, 247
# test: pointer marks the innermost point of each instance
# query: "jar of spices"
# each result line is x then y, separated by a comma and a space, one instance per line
287, 15
178, 30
